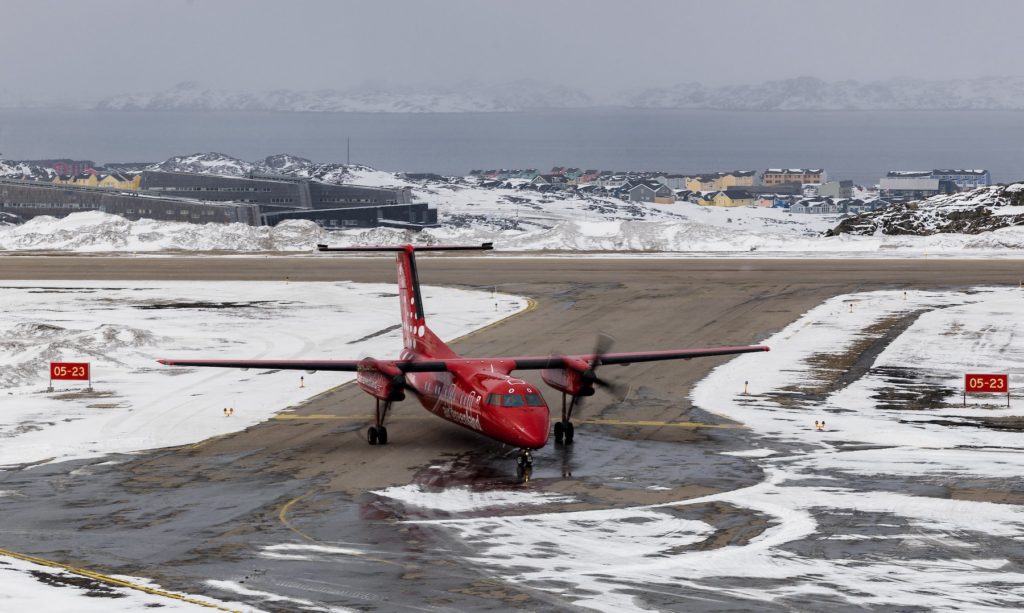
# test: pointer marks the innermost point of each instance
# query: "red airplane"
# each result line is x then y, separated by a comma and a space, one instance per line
476, 393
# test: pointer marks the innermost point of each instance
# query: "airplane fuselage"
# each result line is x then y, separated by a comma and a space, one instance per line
486, 401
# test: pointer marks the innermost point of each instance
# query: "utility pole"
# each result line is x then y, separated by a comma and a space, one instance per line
348, 151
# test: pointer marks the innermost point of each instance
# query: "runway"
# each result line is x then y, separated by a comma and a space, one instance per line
182, 516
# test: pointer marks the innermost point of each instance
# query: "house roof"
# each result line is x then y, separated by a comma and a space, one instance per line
909, 173
957, 171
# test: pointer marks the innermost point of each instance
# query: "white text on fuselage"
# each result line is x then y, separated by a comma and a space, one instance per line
458, 406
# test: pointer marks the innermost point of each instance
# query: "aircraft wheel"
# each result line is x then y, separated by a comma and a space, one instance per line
371, 435
569, 430
524, 472
382, 436
559, 432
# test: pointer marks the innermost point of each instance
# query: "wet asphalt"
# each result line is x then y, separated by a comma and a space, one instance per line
185, 516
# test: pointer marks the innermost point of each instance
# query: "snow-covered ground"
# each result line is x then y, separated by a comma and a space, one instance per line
27, 586
900, 502
122, 328
515, 220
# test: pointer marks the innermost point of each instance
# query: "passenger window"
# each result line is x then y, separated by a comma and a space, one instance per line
494, 400
534, 400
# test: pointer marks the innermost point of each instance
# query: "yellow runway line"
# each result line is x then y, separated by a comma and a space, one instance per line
282, 515
82, 572
328, 417
659, 424
293, 416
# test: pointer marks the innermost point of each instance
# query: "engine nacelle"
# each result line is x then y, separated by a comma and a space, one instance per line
569, 379
383, 381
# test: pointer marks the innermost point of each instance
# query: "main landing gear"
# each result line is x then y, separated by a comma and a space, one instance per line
524, 465
564, 430
378, 434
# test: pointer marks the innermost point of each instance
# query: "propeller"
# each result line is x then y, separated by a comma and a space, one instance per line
603, 346
398, 379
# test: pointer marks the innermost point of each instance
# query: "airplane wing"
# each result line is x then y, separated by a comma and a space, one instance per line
326, 365
556, 361
504, 364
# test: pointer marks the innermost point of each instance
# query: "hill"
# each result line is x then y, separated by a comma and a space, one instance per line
982, 210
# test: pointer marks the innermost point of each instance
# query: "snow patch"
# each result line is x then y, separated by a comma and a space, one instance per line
463, 499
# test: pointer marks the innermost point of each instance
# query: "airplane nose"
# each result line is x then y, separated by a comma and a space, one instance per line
537, 428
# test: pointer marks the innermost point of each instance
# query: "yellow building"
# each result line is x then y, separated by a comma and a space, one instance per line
718, 181
119, 181
111, 181
778, 176
733, 197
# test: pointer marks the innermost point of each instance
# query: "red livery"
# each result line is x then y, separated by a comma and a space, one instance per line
480, 394
994, 384
69, 371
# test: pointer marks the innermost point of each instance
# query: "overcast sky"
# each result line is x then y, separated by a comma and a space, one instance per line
72, 49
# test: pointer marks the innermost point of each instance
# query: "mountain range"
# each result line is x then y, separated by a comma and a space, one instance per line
797, 94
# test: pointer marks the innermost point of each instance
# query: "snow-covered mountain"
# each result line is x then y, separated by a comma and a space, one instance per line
802, 93
214, 163
809, 93
976, 212
515, 96
20, 170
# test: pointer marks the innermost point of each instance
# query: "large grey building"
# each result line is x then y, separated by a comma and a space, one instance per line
281, 197
253, 200
28, 199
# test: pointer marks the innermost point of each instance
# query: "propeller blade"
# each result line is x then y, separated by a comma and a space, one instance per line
619, 391
602, 346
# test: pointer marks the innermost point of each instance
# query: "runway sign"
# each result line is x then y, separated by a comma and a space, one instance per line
987, 384
69, 371
992, 384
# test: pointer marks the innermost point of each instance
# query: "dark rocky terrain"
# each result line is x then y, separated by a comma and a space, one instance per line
974, 212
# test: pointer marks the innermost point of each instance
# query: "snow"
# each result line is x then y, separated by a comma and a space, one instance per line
695, 233
94, 231
463, 499
122, 328
508, 97
944, 560
522, 220
751, 453
810, 93
33, 587
800, 93
303, 551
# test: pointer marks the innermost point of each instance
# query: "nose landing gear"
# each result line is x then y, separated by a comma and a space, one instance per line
524, 465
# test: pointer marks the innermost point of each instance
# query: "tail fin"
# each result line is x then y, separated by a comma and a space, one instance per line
416, 336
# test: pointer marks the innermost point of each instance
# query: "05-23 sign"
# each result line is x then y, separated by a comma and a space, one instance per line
979, 383
69, 371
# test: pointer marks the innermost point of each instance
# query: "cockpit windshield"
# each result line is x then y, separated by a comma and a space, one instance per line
512, 400
515, 400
